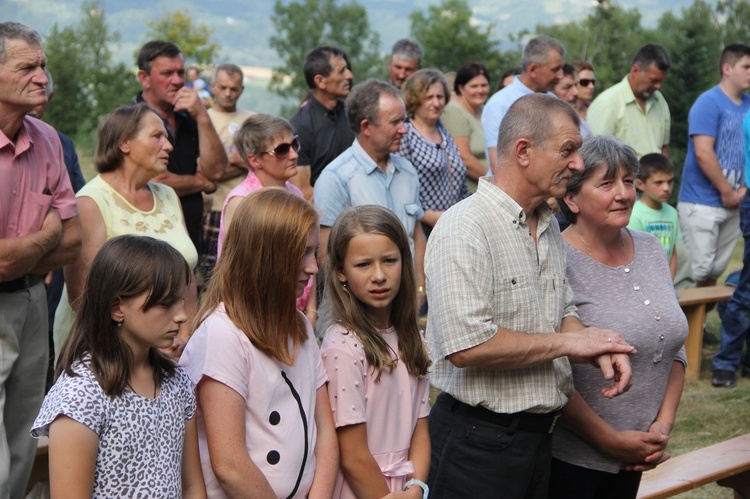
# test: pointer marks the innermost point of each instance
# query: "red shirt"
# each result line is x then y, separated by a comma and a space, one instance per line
32, 179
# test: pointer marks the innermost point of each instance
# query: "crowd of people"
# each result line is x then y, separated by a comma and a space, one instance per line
239, 314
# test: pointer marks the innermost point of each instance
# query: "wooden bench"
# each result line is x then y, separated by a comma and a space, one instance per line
727, 463
40, 470
693, 302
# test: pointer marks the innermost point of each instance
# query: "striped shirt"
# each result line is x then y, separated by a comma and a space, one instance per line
484, 271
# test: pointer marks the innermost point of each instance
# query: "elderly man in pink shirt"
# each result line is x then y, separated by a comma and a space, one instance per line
39, 232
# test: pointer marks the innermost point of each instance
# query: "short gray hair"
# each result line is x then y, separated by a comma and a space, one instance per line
256, 134
600, 151
537, 50
532, 117
17, 31
228, 68
408, 49
363, 102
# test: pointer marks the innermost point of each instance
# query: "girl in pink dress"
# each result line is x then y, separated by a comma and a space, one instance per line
264, 423
376, 358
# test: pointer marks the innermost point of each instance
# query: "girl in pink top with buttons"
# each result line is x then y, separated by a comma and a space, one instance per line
376, 358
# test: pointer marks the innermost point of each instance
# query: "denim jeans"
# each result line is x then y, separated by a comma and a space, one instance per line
735, 325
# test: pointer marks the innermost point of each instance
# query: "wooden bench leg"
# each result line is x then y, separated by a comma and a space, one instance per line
696, 315
740, 483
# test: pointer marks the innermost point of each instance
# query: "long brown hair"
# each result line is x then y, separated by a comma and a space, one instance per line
349, 311
125, 267
256, 276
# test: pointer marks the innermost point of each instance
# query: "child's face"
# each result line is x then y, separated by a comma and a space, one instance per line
156, 327
372, 272
657, 187
309, 265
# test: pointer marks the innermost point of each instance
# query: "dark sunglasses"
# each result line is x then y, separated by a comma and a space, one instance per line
585, 82
282, 150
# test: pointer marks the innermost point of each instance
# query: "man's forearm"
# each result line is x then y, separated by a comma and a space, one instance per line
213, 157
184, 185
19, 256
65, 252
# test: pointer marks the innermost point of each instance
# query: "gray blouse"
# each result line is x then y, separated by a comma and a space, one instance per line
637, 301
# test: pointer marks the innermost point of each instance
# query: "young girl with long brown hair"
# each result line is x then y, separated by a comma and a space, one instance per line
264, 424
121, 415
375, 357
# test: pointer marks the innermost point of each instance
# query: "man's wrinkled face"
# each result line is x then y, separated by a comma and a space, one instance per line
22, 78
167, 76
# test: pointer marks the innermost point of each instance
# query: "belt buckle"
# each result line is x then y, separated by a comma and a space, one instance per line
26, 281
554, 422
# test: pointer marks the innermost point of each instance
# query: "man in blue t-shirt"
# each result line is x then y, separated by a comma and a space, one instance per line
713, 178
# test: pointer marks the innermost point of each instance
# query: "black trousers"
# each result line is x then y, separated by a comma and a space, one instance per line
472, 458
569, 481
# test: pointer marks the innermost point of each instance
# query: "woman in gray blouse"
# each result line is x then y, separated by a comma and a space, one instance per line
621, 281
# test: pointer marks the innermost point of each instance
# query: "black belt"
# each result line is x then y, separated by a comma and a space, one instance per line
20, 284
524, 421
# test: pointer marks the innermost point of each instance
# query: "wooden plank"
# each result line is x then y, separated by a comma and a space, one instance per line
696, 316
709, 294
693, 302
695, 469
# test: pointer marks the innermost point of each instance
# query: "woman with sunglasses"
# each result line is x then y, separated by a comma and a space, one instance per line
586, 84
269, 150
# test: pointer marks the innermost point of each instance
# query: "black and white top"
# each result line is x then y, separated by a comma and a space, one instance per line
140, 439
442, 173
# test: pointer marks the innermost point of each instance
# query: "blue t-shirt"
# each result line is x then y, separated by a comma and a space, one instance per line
715, 115
746, 146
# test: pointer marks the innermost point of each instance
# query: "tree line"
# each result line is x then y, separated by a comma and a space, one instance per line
87, 78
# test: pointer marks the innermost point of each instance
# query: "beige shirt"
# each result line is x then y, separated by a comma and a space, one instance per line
227, 125
485, 271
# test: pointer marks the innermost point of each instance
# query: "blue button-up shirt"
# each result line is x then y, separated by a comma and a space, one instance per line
354, 179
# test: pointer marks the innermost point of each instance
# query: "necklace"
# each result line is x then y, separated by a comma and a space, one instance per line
622, 241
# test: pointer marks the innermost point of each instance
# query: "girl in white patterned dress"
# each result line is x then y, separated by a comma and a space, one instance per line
121, 415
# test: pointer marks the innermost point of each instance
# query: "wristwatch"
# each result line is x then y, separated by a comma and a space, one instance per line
421, 484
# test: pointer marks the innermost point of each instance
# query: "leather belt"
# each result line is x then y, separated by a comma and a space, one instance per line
20, 284
524, 421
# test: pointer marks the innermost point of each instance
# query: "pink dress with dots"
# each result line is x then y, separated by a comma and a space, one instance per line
390, 408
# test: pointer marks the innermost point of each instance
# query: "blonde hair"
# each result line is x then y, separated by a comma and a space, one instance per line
350, 312
256, 277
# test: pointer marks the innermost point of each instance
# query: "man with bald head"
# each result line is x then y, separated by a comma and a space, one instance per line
502, 326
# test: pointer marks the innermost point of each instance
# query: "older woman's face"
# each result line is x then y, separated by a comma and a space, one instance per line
606, 202
150, 147
432, 104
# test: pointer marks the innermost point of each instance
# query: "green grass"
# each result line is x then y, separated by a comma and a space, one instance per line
709, 415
